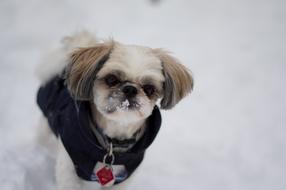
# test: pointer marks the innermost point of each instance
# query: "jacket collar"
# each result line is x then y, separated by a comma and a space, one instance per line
152, 127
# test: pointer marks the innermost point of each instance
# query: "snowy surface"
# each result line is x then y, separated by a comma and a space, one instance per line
229, 134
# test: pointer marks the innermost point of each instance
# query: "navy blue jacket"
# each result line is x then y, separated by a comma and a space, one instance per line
70, 120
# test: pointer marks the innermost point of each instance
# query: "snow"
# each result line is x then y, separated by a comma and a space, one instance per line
124, 105
229, 134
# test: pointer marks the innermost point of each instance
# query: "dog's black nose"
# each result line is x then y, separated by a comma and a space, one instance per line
130, 91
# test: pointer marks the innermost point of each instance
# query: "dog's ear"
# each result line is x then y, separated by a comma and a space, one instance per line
178, 79
84, 64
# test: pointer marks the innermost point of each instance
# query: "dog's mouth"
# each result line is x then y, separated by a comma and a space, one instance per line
129, 105
125, 105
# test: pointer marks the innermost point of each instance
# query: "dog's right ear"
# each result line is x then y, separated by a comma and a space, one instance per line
84, 64
178, 79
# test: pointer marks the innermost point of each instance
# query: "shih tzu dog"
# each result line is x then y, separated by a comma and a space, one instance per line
99, 99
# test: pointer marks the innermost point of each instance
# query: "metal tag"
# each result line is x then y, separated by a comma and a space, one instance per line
105, 176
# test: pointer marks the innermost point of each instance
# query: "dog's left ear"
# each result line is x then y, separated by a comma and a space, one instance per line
178, 79
84, 64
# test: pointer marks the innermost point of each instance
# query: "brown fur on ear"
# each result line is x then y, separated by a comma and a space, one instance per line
85, 64
178, 80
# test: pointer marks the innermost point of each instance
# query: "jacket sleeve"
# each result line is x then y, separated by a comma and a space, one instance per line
52, 98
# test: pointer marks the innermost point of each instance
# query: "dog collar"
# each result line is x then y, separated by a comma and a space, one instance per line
118, 145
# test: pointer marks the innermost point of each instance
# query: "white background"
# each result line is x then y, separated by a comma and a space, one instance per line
228, 135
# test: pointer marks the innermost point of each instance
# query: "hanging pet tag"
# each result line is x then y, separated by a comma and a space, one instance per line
104, 173
105, 176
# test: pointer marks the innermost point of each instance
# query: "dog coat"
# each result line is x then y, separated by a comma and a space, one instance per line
70, 120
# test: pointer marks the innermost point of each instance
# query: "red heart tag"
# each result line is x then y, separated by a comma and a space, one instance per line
105, 175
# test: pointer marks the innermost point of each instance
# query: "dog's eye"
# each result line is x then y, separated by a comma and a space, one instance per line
111, 80
149, 89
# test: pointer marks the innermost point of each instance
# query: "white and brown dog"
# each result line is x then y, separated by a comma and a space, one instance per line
99, 99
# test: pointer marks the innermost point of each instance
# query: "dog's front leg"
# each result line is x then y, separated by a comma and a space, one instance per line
66, 176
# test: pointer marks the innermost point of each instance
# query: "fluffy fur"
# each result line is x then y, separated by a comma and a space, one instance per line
123, 84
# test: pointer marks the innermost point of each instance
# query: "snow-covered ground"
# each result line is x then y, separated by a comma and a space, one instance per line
229, 134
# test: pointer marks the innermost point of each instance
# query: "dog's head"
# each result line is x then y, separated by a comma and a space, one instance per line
125, 81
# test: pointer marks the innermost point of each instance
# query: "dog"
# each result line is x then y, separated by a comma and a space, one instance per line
101, 100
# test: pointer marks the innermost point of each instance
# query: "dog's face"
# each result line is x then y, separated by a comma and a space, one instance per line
124, 81
129, 83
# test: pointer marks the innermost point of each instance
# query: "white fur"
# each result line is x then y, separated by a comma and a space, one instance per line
135, 61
